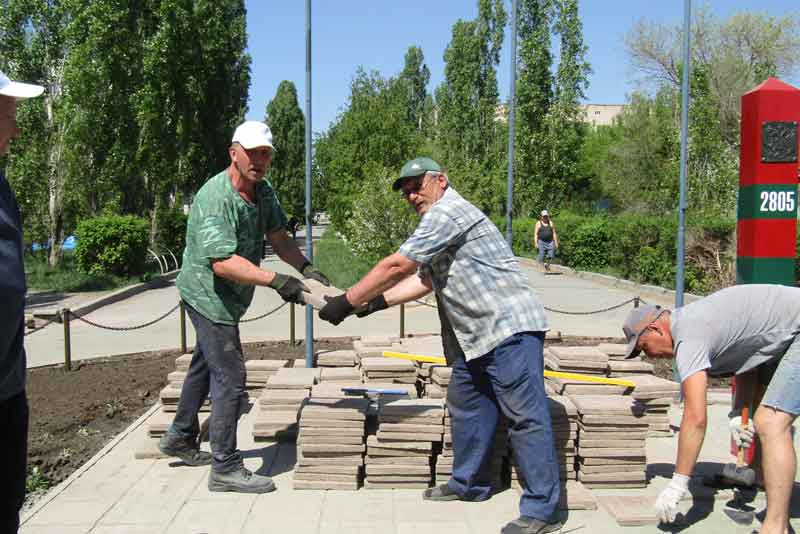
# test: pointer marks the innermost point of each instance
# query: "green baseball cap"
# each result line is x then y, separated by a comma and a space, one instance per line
416, 167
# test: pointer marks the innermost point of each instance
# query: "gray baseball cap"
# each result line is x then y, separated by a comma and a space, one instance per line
637, 322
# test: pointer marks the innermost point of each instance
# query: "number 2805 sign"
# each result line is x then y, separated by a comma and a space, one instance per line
772, 201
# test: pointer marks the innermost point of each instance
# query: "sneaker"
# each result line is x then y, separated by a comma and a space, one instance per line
187, 451
440, 493
530, 525
241, 480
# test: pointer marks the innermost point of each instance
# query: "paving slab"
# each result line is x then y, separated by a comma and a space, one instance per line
630, 510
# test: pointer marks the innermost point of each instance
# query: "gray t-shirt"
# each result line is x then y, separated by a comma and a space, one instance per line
735, 329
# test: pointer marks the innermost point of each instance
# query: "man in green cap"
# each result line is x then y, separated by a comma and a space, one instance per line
228, 220
493, 330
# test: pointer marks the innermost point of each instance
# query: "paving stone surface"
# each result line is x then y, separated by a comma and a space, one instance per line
630, 510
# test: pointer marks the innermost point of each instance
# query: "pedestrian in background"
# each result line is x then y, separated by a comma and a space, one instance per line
13, 400
546, 239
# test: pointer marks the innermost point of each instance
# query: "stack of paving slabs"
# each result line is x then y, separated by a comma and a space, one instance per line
625, 368
276, 412
424, 381
373, 346
399, 454
564, 421
159, 422
615, 351
440, 379
583, 360
444, 461
340, 375
388, 370
170, 396
259, 371
337, 358
655, 395
286, 391
330, 446
611, 444
182, 362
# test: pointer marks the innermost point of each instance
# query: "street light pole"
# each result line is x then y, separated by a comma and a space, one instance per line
679, 270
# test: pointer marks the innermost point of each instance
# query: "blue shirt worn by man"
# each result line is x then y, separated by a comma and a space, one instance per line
484, 296
12, 294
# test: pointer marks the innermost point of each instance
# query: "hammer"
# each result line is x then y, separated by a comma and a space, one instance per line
739, 474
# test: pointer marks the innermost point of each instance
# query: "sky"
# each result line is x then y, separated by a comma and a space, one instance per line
375, 34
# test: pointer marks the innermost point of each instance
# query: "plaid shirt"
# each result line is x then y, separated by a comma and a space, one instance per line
478, 283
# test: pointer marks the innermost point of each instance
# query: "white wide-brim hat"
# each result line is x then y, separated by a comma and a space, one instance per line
18, 90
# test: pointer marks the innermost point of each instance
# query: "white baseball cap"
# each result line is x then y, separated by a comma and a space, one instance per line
545, 213
253, 134
17, 90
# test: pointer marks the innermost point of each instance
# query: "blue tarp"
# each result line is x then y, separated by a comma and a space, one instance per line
69, 244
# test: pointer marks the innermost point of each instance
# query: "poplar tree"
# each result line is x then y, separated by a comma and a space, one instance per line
287, 174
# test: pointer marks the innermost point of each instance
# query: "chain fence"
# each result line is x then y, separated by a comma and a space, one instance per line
124, 328
635, 300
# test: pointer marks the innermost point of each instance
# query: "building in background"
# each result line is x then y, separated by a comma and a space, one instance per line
601, 114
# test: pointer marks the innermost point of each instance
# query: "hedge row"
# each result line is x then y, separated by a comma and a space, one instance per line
636, 247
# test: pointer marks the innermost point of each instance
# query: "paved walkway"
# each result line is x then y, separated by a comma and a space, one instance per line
114, 493
558, 292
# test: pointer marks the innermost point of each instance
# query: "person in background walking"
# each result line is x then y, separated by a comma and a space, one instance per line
545, 238
13, 400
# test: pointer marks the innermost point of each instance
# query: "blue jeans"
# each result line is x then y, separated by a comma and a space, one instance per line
218, 366
509, 379
783, 391
548, 247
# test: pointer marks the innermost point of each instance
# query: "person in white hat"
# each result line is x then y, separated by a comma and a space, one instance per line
13, 400
228, 220
546, 239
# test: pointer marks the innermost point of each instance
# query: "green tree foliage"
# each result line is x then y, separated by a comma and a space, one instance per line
140, 102
374, 131
416, 76
287, 174
534, 100
470, 141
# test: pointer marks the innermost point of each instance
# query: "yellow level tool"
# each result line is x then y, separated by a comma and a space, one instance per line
551, 374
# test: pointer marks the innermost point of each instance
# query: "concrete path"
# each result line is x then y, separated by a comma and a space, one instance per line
114, 493
557, 292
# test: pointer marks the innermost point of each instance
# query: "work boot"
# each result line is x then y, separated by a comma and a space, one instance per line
241, 480
440, 493
187, 451
530, 525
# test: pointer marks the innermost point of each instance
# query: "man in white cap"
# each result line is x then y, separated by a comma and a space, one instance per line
750, 331
13, 401
228, 220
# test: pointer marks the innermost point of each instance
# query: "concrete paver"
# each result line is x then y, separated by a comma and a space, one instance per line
149, 496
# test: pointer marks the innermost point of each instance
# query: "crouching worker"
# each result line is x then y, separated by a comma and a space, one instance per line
742, 331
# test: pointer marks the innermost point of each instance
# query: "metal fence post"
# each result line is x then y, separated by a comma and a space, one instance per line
291, 324
65, 317
183, 328
636, 301
402, 320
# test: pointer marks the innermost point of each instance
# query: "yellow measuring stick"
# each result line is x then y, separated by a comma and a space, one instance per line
552, 374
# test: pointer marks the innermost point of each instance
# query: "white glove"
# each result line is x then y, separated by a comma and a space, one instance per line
742, 435
667, 502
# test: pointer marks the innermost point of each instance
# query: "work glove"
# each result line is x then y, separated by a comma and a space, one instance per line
376, 304
336, 309
289, 288
308, 271
668, 499
742, 435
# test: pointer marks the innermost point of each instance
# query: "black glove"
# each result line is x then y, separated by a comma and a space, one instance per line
308, 271
376, 304
336, 309
289, 287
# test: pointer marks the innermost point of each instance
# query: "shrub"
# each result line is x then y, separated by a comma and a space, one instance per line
171, 231
115, 244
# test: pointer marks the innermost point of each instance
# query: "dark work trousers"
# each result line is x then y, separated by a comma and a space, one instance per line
509, 379
218, 366
13, 458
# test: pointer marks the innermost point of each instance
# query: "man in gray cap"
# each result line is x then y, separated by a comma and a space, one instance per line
493, 330
750, 331
13, 401
228, 220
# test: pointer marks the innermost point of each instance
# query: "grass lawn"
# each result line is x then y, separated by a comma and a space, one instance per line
340, 265
66, 277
